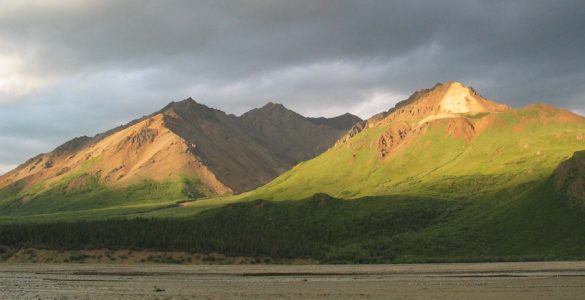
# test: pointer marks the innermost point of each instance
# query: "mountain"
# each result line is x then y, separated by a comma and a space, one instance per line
184, 150
344, 121
447, 141
445, 176
293, 137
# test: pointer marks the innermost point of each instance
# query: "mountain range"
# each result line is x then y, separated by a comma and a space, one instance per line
445, 175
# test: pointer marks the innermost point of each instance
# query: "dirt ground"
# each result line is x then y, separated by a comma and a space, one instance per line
106, 256
542, 280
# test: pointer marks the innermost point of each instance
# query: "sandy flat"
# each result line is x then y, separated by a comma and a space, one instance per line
542, 280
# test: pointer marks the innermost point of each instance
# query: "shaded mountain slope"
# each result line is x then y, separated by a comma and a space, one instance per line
223, 145
291, 136
342, 122
569, 179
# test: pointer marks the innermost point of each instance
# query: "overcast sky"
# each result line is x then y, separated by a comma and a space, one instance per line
71, 68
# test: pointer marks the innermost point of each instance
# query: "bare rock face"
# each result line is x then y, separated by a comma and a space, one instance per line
569, 179
292, 137
446, 100
353, 131
461, 128
392, 138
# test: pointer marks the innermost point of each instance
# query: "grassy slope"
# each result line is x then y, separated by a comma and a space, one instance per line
436, 164
91, 197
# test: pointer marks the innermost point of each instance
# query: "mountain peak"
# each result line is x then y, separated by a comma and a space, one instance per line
189, 106
181, 103
458, 98
443, 100
273, 106
175, 104
270, 109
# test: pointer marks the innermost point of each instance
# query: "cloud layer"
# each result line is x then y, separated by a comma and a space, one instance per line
69, 68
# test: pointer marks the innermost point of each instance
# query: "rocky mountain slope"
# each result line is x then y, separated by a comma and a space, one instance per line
196, 150
284, 132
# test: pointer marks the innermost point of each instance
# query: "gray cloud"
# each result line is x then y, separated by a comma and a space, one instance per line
69, 68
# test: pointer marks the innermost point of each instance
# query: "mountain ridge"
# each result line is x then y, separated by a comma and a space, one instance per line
433, 136
185, 139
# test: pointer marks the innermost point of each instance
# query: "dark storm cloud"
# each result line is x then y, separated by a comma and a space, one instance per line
80, 67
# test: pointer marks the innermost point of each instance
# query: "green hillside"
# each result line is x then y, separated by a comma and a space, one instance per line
90, 194
519, 146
